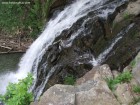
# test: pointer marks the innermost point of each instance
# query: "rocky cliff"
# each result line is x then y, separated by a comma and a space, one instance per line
98, 38
93, 89
71, 57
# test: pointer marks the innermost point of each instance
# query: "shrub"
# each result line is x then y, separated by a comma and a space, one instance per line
122, 78
69, 80
17, 93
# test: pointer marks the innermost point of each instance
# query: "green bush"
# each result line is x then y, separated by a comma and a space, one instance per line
17, 93
69, 80
24, 19
122, 78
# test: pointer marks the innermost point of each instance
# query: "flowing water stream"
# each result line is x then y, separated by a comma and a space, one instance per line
65, 19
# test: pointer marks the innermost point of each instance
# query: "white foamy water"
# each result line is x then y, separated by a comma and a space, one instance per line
5, 79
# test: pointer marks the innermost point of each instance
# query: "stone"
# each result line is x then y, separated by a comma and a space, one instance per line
103, 71
115, 73
58, 95
34, 103
137, 103
133, 8
123, 94
98, 94
136, 68
127, 68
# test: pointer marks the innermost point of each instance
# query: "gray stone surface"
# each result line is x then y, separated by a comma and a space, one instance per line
124, 94
136, 68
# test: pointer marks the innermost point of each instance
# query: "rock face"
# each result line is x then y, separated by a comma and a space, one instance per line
123, 94
136, 68
122, 19
91, 89
132, 9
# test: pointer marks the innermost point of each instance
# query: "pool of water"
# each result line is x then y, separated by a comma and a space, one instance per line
9, 62
8, 67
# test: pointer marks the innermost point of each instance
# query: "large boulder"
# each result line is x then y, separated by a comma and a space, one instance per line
124, 94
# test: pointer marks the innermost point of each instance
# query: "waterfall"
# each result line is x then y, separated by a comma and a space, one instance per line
65, 19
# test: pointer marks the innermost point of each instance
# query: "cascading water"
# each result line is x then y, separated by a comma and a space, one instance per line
65, 19
101, 58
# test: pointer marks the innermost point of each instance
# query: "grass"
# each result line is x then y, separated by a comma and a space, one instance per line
122, 78
69, 80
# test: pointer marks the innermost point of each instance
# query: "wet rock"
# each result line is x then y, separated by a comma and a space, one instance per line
120, 58
58, 3
58, 6
131, 10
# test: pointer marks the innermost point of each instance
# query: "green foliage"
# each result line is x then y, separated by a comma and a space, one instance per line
9, 20
136, 89
24, 18
69, 80
17, 93
122, 78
